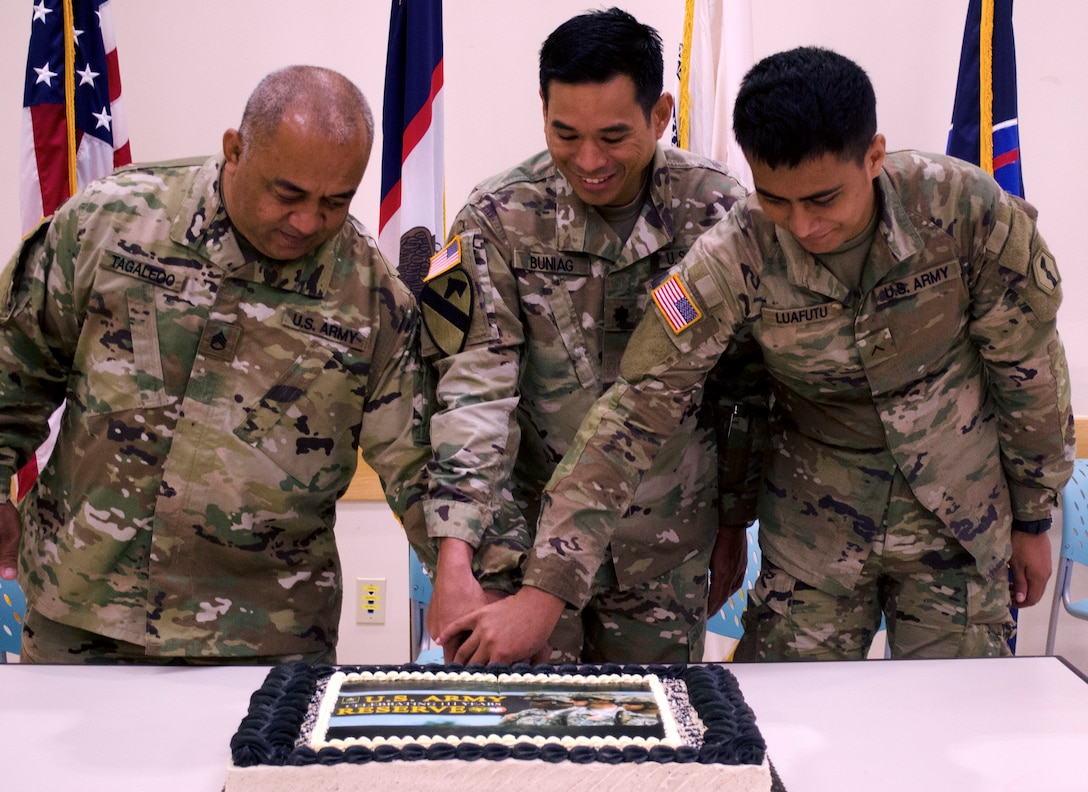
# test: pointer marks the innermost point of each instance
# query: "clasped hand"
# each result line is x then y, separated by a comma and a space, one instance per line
509, 630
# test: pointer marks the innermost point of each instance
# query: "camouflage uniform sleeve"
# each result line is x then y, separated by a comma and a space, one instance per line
474, 431
1016, 291
38, 328
662, 372
735, 403
393, 436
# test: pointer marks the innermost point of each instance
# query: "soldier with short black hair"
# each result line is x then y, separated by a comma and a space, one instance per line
921, 423
528, 311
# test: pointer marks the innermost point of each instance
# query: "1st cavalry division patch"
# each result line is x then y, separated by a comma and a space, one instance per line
447, 299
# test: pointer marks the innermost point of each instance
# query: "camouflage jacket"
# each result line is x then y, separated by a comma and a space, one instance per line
214, 410
946, 366
555, 296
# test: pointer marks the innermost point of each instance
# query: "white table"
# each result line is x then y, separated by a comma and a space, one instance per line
1011, 724
1017, 724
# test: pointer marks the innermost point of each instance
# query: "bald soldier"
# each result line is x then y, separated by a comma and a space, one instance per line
224, 338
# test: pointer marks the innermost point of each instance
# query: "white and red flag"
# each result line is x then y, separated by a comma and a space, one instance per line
411, 223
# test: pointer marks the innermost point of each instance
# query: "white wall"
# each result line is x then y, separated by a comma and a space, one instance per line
372, 545
187, 67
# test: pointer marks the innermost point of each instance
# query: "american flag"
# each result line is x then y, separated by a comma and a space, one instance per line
74, 129
448, 257
71, 74
673, 300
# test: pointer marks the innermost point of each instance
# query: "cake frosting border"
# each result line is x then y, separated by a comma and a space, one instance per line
268, 734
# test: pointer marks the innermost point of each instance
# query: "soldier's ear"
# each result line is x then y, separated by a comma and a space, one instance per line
661, 114
232, 146
874, 157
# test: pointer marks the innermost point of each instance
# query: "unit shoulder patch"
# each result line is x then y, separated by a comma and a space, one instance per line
1045, 271
447, 301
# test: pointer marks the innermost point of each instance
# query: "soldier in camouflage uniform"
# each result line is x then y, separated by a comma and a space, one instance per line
527, 312
921, 421
225, 338
541, 712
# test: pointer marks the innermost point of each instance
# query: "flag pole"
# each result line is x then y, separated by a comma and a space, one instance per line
986, 85
684, 109
70, 93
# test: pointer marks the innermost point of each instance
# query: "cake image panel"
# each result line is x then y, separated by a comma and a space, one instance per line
426, 727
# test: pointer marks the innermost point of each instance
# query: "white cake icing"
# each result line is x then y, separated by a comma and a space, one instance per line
508, 774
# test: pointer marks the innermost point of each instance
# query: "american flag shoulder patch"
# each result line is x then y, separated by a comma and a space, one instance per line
445, 259
676, 304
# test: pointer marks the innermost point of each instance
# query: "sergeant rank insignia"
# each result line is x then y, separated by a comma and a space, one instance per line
676, 304
447, 299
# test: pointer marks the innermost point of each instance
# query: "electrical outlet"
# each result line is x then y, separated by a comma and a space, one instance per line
370, 601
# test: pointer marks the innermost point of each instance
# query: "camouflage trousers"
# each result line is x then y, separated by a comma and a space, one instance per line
661, 621
47, 641
935, 601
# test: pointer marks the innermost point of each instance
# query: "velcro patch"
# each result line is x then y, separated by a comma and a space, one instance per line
145, 271
317, 325
445, 259
447, 304
1045, 271
552, 263
878, 346
802, 315
219, 340
901, 289
676, 304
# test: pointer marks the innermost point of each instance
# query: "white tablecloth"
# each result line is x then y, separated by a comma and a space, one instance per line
1018, 724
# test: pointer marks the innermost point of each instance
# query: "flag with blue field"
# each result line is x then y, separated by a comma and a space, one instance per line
985, 128
411, 221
